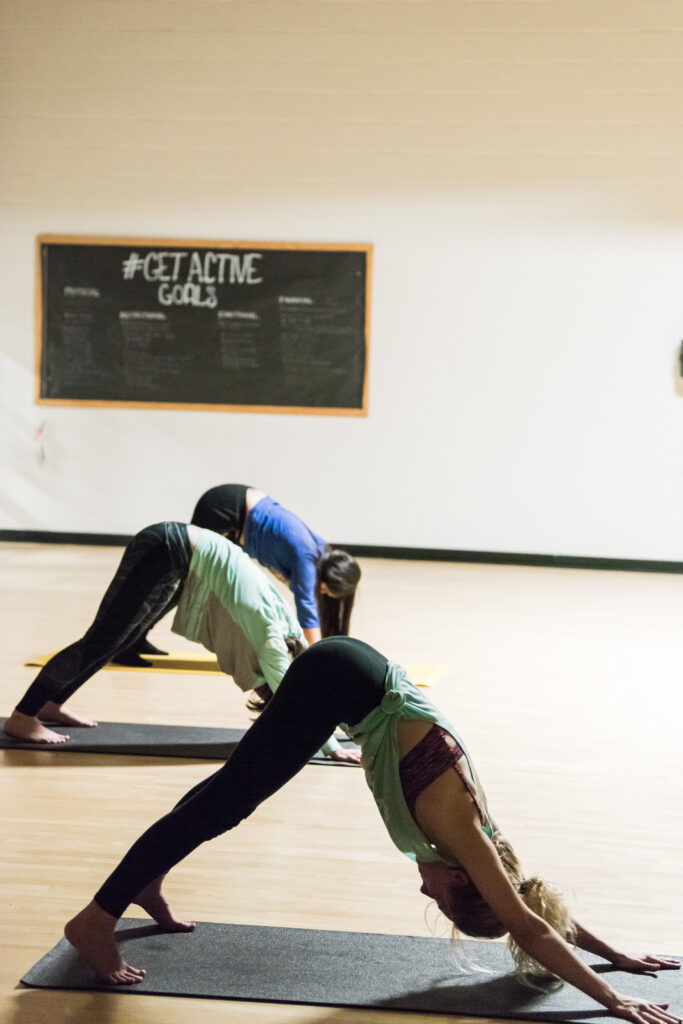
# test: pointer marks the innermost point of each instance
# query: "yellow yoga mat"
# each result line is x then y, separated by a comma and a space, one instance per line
203, 661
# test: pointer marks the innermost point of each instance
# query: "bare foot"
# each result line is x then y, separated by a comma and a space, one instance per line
30, 730
92, 934
154, 903
57, 715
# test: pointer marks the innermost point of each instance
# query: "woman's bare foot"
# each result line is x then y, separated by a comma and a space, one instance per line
154, 903
30, 730
57, 715
92, 934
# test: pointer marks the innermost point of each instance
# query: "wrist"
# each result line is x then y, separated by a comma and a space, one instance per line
612, 999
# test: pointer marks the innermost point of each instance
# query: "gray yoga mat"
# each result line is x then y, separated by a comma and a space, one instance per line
155, 740
350, 969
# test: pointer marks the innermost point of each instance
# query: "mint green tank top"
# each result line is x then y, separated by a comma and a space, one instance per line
376, 736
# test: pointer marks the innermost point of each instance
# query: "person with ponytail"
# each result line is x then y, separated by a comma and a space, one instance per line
322, 579
430, 799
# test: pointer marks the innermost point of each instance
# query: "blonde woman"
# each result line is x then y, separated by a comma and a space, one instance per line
430, 799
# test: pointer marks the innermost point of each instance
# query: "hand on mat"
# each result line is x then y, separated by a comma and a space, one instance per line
346, 755
641, 1011
644, 964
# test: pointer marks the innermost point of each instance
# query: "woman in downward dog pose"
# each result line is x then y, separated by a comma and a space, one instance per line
322, 579
224, 602
428, 794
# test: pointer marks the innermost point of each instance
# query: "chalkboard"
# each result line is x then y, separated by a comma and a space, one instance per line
263, 327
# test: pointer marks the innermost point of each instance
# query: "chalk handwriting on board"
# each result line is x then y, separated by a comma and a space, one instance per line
189, 278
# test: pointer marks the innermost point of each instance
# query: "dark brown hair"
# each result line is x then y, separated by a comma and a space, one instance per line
340, 572
261, 695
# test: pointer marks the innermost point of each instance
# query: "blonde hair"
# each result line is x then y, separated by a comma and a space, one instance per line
471, 914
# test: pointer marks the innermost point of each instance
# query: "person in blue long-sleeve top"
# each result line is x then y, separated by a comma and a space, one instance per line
322, 579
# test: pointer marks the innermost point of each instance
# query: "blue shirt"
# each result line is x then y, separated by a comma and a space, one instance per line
279, 540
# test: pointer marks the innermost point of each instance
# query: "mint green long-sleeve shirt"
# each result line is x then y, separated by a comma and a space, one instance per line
229, 606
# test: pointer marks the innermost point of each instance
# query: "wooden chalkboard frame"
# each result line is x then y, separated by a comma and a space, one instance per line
215, 245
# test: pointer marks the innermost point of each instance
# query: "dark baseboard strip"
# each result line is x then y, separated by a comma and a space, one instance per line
371, 551
112, 540
508, 558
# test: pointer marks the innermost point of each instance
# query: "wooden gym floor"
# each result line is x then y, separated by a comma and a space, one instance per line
566, 685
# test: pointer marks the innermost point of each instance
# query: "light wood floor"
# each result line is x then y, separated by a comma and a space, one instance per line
566, 684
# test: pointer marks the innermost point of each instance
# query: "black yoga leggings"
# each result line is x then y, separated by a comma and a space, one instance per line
336, 680
223, 509
145, 586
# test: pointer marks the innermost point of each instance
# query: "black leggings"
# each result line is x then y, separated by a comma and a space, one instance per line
336, 680
223, 509
145, 586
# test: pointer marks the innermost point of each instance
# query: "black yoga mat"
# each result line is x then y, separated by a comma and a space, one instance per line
351, 969
155, 740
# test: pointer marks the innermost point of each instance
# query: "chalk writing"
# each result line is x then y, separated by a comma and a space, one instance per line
140, 315
188, 295
190, 278
237, 314
83, 293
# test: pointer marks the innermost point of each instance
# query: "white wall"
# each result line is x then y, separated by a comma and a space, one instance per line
517, 167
